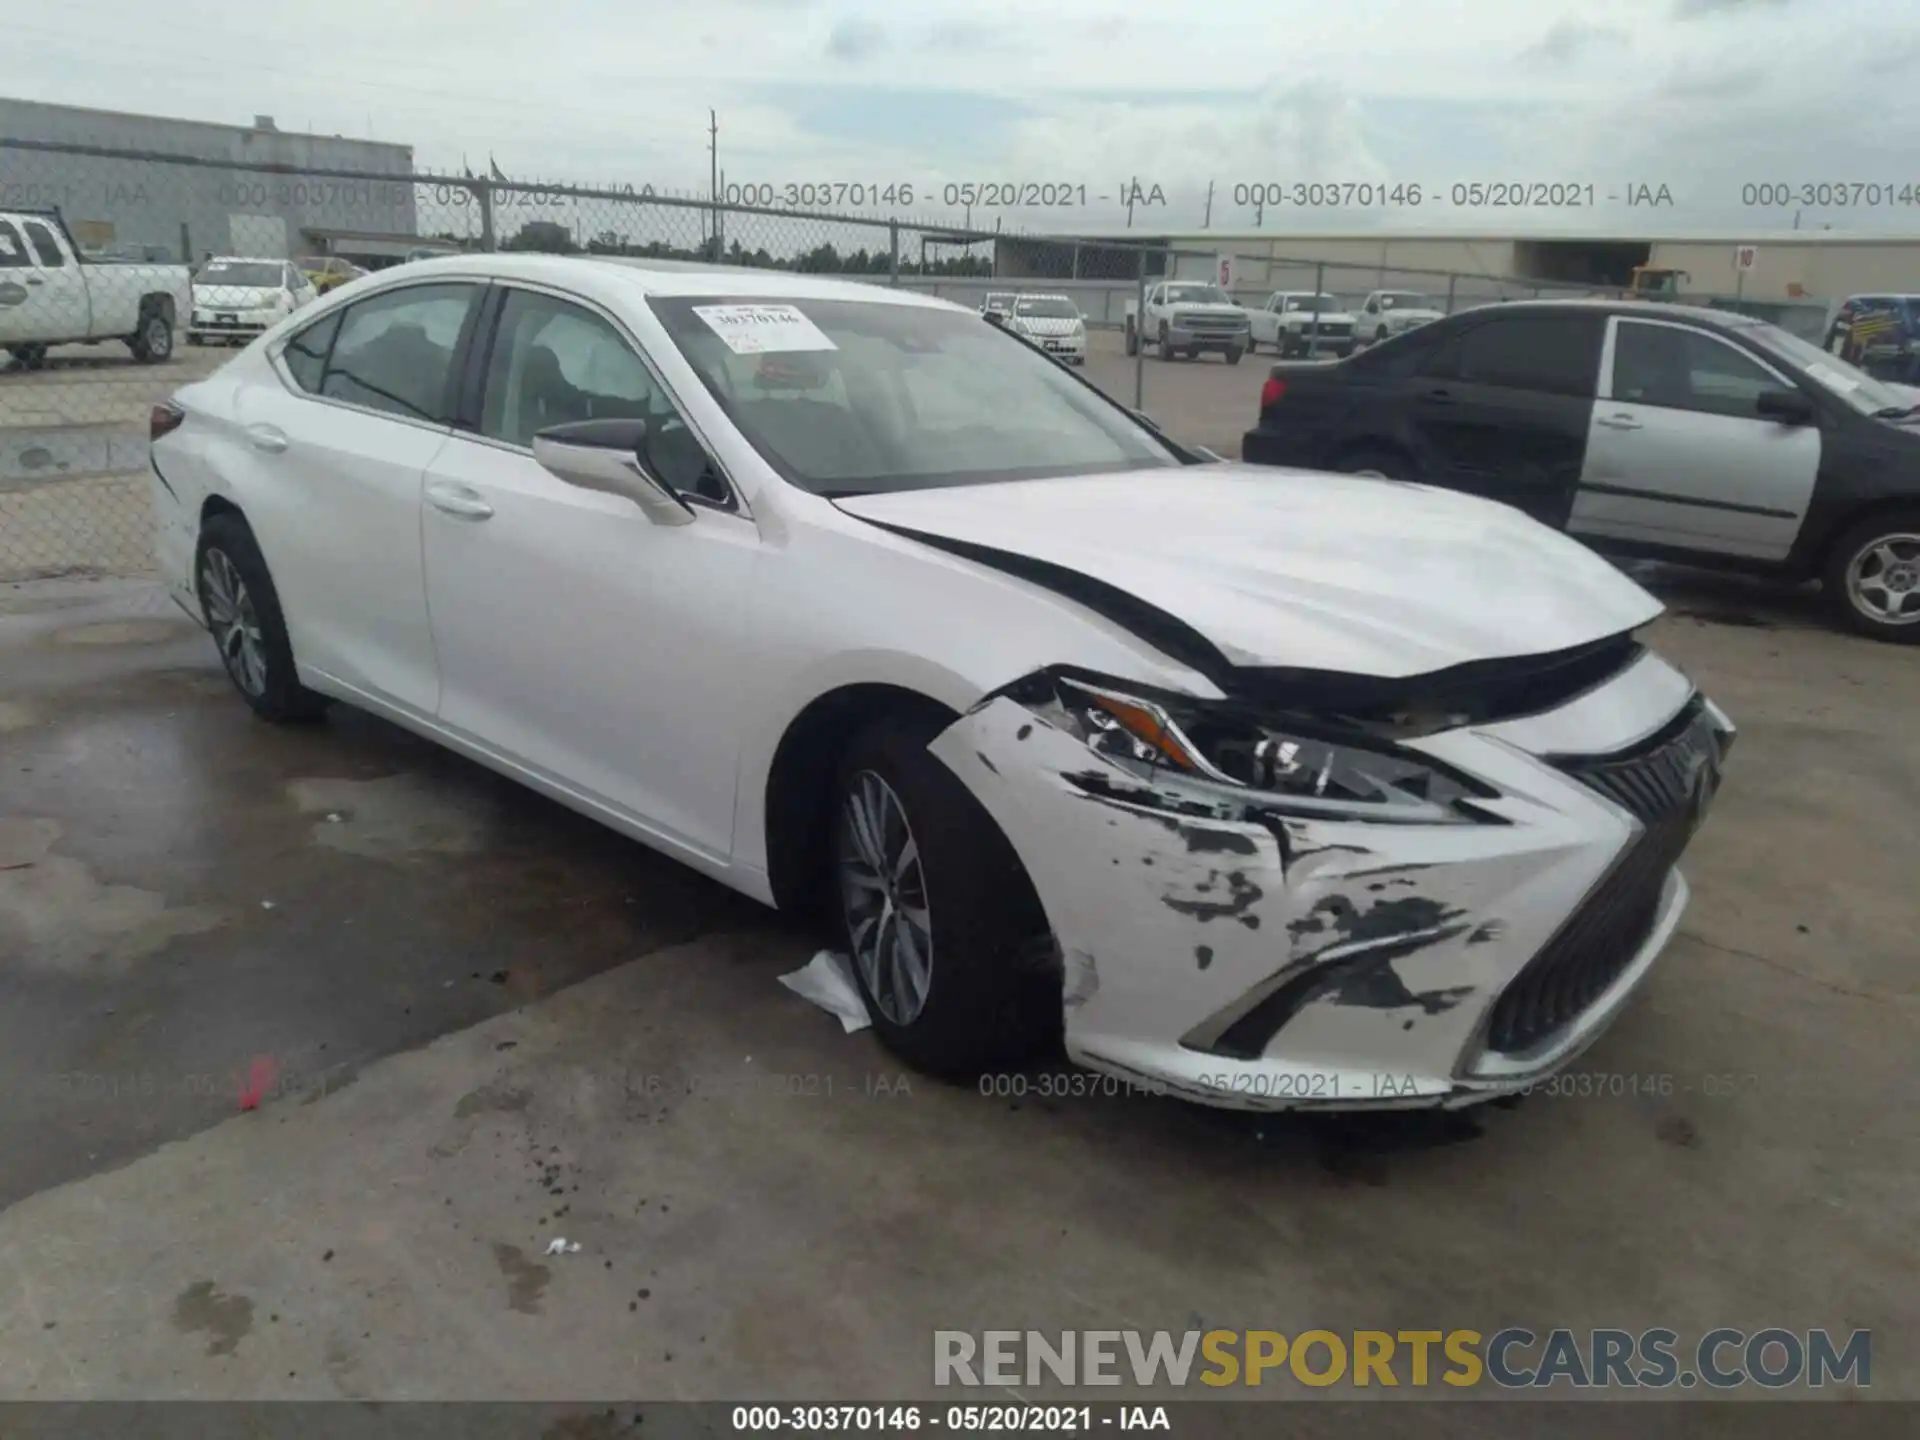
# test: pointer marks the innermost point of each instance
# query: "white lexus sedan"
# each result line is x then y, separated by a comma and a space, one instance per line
1259, 787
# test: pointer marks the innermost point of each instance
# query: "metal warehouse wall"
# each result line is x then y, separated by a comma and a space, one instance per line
1826, 269
126, 203
1467, 254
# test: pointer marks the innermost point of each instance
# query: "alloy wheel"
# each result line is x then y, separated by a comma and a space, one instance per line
235, 625
883, 892
1883, 580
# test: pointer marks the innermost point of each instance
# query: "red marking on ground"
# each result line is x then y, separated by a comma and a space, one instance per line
259, 1077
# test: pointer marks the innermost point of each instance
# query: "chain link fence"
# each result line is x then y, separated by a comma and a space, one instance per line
126, 274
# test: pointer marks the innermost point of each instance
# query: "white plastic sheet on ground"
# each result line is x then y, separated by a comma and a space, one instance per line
827, 980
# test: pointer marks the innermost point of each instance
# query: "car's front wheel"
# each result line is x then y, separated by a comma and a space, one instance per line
1873, 576
949, 944
243, 612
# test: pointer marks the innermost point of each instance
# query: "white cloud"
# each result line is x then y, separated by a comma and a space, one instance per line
1699, 94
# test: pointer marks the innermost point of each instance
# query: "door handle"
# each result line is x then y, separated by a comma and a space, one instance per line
458, 500
265, 437
1620, 422
35, 280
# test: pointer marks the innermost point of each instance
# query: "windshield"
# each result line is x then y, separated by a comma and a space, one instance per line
856, 397
1307, 302
1047, 308
1406, 300
253, 274
1853, 385
1196, 295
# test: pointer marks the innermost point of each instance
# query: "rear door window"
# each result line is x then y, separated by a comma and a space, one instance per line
394, 351
45, 248
1549, 354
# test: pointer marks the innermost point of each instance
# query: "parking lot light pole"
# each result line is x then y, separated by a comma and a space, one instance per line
1140, 337
1319, 284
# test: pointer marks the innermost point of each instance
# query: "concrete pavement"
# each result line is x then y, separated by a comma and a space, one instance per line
767, 1207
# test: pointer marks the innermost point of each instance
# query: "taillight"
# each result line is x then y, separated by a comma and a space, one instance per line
1273, 391
164, 420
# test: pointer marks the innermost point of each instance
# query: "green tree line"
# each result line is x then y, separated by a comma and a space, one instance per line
548, 237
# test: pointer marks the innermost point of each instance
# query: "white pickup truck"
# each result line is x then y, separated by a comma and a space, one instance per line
1186, 317
51, 295
1298, 322
1391, 312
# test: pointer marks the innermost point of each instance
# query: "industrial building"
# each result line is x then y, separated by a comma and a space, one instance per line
155, 210
1793, 276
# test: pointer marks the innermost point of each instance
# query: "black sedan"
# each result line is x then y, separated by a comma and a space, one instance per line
1651, 430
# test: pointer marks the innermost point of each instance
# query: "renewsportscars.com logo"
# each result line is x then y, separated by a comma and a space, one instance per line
1513, 1358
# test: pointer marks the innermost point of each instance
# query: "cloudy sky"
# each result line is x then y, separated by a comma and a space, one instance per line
1699, 96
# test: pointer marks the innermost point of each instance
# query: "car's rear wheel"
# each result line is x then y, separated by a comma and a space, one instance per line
1873, 576
950, 946
1161, 347
28, 357
152, 342
1375, 463
1234, 354
243, 612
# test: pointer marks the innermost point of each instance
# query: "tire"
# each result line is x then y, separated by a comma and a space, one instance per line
1161, 349
193, 339
1380, 334
1376, 462
1853, 568
991, 996
1133, 339
29, 357
1234, 354
152, 343
262, 672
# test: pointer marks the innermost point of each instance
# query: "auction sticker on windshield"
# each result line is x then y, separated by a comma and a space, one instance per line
763, 329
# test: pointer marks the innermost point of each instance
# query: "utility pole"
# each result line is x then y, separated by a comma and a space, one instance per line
1206, 222
1132, 185
713, 175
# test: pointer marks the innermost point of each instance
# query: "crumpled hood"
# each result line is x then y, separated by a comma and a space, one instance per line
1298, 569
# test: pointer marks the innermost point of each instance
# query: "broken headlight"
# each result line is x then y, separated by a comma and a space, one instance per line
1286, 767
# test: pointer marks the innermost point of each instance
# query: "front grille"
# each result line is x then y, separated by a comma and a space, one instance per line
1332, 329
1666, 784
1222, 324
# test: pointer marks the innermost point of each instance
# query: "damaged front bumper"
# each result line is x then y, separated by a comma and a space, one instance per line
1258, 960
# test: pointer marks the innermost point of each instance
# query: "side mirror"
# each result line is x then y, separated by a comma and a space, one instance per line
607, 455
1786, 407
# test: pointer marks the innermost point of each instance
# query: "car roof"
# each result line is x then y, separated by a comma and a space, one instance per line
1652, 309
652, 278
